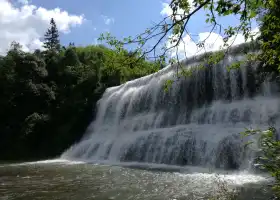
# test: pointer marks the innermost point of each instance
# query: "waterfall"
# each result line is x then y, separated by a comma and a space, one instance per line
195, 122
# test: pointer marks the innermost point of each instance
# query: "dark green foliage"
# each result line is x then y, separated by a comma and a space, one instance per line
48, 98
52, 37
270, 37
268, 147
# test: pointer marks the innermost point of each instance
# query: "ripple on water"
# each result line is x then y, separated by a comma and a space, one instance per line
58, 179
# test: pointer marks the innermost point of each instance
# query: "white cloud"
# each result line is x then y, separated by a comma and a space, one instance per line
27, 24
188, 47
108, 20
167, 11
213, 42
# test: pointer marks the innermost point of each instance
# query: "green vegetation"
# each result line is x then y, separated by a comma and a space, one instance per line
268, 146
52, 38
48, 97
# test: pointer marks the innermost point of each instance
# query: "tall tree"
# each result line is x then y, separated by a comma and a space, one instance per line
52, 37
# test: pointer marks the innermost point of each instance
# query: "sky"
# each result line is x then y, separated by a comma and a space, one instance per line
81, 22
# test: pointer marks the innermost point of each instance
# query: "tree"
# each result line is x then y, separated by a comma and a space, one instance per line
15, 46
52, 37
47, 99
71, 44
70, 57
270, 35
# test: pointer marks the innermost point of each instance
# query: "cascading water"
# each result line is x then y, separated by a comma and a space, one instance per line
196, 122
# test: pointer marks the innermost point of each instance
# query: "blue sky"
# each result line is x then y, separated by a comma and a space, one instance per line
82, 22
130, 17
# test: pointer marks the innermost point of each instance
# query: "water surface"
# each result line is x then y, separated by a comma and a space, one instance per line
61, 179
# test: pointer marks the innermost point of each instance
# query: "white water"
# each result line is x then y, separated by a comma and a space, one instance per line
195, 123
61, 179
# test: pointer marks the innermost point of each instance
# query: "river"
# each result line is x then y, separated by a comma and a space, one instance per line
61, 179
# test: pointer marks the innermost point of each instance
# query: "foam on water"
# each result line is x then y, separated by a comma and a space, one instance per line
52, 161
198, 174
231, 179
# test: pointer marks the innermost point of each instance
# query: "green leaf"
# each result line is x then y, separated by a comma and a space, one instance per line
253, 14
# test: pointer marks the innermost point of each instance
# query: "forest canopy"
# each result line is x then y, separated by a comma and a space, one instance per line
48, 96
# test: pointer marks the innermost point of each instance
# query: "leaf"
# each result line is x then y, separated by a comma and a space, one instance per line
248, 143
253, 14
168, 84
